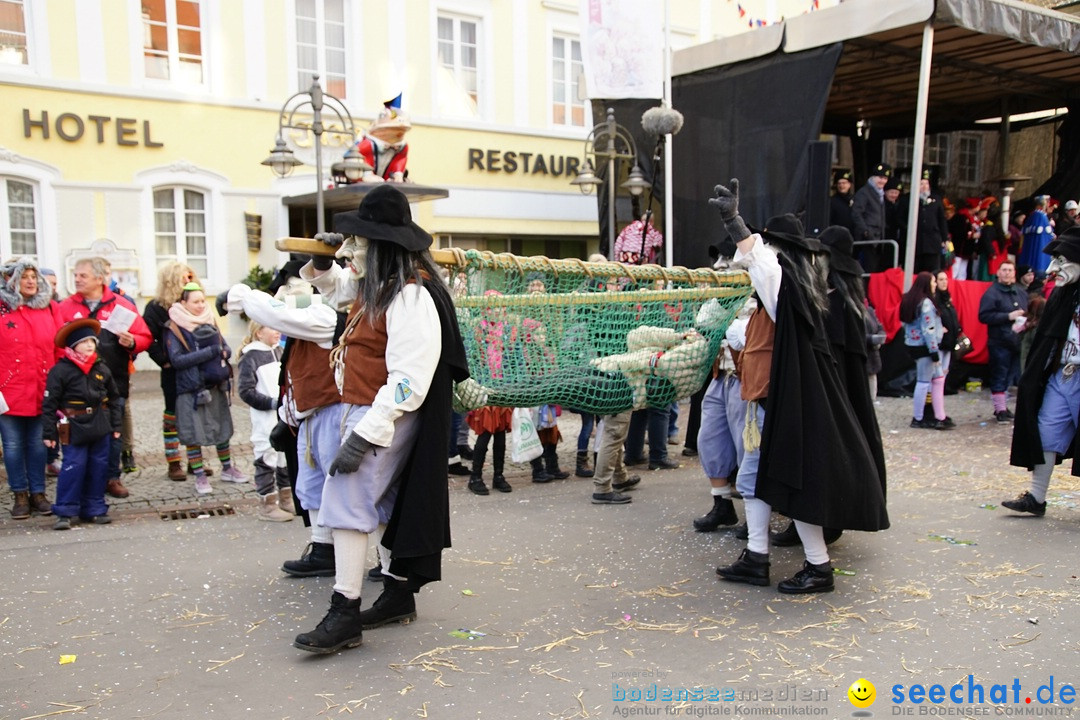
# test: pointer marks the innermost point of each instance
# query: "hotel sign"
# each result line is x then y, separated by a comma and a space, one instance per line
71, 128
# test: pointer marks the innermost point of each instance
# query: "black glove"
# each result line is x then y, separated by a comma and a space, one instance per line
935, 357
330, 239
350, 454
727, 202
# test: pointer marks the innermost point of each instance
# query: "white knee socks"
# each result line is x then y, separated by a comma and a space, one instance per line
813, 542
758, 513
384, 552
319, 534
1040, 476
350, 555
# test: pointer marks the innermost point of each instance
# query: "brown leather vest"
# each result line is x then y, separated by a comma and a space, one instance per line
365, 359
755, 360
311, 377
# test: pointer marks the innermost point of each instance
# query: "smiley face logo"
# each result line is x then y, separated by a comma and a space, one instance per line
862, 693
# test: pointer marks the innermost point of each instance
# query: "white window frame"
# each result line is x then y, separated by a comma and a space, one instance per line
480, 12
179, 211
37, 42
205, 38
43, 178
7, 249
185, 176
569, 39
321, 49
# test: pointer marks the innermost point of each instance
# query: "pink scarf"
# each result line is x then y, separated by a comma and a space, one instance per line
184, 319
84, 362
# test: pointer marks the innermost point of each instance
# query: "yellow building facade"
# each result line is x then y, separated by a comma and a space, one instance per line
136, 128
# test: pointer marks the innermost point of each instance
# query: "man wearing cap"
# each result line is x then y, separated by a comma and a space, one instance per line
398, 355
931, 228
94, 299
868, 215
1038, 233
805, 456
842, 199
1048, 401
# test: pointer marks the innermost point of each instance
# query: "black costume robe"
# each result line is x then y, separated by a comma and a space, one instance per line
1042, 362
419, 527
816, 465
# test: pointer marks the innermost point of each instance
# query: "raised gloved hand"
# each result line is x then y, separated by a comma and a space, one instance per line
350, 454
469, 395
330, 239
727, 202
221, 303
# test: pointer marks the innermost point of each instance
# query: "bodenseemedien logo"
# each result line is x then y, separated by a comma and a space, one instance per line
862, 694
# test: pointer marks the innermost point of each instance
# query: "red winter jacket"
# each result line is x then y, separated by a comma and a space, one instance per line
116, 357
27, 351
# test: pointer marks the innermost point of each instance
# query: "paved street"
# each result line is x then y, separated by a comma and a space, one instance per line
564, 606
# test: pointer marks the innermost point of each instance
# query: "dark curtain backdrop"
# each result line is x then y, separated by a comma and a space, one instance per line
628, 114
1064, 184
754, 121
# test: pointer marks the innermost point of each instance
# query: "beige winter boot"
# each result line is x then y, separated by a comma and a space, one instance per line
269, 510
285, 500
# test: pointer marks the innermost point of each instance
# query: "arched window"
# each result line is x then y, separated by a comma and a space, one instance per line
20, 219
180, 227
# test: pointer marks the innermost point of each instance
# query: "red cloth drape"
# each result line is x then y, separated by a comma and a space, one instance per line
886, 288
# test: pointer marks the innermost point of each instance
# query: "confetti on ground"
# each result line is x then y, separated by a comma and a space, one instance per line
467, 592
950, 540
988, 506
67, 659
841, 571
467, 634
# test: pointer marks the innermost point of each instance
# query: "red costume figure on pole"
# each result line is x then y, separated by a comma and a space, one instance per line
383, 146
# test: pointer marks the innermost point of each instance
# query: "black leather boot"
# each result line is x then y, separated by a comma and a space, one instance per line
316, 561
498, 481
551, 461
538, 473
396, 604
582, 469
811, 579
476, 480
722, 513
341, 628
751, 567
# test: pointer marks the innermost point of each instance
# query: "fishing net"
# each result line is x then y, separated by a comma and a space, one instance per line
597, 337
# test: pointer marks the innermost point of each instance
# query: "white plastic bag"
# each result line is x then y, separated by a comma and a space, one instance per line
524, 442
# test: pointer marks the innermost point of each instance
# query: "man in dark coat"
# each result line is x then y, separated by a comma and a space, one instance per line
1000, 307
1049, 391
842, 198
868, 215
813, 462
931, 228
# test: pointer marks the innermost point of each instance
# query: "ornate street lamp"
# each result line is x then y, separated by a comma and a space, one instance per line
610, 141
282, 159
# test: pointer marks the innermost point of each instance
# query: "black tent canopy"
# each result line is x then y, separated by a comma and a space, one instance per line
902, 65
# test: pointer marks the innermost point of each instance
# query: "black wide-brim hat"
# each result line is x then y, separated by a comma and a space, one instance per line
837, 241
788, 230
384, 214
74, 332
1067, 245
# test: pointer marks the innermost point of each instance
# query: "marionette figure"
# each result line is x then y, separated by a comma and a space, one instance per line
383, 146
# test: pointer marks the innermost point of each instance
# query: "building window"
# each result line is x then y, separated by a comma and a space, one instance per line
567, 108
19, 233
180, 227
458, 53
172, 41
935, 152
968, 155
320, 44
13, 36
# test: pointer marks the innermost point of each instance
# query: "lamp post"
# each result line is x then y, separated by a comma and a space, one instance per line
1008, 183
282, 159
609, 141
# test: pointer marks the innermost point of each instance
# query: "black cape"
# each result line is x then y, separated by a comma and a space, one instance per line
1042, 362
847, 339
815, 465
419, 527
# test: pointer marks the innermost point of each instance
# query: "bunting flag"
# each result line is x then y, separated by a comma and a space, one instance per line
393, 106
756, 22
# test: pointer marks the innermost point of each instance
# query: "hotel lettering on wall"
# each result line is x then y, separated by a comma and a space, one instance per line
71, 128
526, 163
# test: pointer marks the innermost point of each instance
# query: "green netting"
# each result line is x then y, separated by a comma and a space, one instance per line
597, 337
